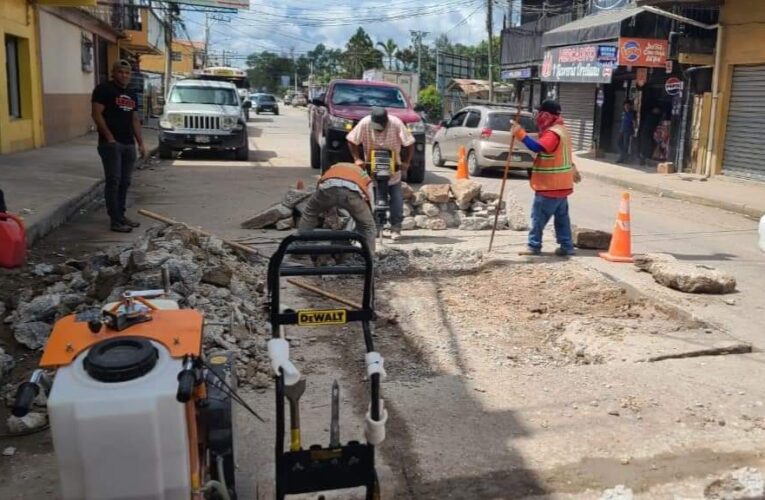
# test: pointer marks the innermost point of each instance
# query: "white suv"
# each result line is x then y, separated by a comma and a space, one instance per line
203, 114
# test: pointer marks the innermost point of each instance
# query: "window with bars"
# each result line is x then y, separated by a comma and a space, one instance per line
13, 75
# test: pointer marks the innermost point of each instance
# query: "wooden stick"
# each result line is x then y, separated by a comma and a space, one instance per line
507, 170
168, 220
336, 298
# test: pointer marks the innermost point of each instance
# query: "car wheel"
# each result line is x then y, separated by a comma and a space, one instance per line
438, 160
315, 154
242, 154
473, 167
165, 152
416, 173
324, 159
276, 112
257, 111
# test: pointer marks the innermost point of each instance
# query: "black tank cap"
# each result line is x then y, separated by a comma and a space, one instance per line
121, 359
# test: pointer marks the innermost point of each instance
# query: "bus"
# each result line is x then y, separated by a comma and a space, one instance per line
227, 74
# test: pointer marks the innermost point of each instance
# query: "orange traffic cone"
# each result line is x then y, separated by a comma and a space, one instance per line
462, 170
620, 249
300, 184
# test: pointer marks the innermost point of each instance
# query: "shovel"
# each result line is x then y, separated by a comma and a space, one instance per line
293, 393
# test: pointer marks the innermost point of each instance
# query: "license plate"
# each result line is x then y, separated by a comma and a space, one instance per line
202, 139
517, 158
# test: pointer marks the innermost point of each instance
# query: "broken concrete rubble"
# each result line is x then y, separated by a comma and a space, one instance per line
465, 192
269, 217
685, 277
436, 193
591, 239
294, 196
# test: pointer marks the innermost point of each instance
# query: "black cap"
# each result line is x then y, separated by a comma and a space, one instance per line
551, 106
379, 118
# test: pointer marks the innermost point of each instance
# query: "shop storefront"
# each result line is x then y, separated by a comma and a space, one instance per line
746, 121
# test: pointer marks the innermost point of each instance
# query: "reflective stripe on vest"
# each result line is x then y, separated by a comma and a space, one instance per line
552, 171
351, 173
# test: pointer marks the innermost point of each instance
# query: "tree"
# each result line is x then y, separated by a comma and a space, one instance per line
360, 54
266, 68
408, 58
430, 99
389, 48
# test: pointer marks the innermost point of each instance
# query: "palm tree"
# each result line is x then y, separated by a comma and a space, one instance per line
389, 48
408, 58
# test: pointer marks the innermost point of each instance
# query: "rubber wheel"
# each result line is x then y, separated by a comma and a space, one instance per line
416, 173
473, 168
438, 160
165, 153
257, 112
276, 113
324, 161
315, 154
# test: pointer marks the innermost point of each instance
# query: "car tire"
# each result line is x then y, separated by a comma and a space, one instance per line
473, 168
324, 159
416, 173
257, 111
315, 153
242, 154
438, 159
276, 112
165, 152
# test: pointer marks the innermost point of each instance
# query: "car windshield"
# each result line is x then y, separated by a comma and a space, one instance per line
204, 95
266, 98
501, 122
367, 95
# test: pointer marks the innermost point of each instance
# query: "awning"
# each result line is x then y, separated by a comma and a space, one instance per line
595, 28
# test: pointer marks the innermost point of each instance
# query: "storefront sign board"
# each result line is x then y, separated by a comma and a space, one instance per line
643, 52
576, 63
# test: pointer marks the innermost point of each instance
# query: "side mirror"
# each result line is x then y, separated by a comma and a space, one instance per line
316, 101
419, 108
247, 104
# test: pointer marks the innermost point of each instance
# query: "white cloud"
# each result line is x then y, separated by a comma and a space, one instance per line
270, 27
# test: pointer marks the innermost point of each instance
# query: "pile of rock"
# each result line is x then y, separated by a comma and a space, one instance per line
436, 207
204, 274
685, 277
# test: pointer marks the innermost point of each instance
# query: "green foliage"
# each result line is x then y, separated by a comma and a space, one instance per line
430, 99
360, 54
389, 48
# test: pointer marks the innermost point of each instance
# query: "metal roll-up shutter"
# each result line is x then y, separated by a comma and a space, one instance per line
577, 100
744, 147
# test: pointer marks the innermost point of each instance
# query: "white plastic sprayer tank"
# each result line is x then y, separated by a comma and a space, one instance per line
120, 440
762, 233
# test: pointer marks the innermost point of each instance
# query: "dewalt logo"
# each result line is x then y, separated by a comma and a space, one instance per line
313, 317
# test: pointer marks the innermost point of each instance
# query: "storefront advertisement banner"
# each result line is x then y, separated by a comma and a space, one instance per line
516, 74
643, 52
577, 63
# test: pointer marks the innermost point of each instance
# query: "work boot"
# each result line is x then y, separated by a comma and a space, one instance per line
119, 227
395, 235
130, 222
530, 251
562, 252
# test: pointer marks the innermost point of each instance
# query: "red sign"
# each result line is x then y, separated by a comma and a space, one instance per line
673, 85
645, 52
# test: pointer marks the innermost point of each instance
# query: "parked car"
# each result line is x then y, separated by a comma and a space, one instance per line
344, 104
485, 133
299, 100
204, 114
288, 97
264, 103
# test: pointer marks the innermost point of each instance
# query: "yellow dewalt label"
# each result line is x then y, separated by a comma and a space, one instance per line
312, 317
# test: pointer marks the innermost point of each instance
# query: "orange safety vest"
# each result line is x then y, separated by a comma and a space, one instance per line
553, 171
351, 173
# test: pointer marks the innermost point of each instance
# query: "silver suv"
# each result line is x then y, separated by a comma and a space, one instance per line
204, 114
485, 133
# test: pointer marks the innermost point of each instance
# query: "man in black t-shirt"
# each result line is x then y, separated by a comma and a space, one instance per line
115, 113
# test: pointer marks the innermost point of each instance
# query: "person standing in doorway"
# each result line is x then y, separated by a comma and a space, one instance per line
552, 178
626, 131
115, 112
647, 128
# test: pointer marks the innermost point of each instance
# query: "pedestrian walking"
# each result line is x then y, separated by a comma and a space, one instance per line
115, 112
626, 131
378, 131
347, 186
552, 178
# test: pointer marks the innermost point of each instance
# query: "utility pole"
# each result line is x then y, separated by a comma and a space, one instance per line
207, 41
489, 24
168, 49
294, 67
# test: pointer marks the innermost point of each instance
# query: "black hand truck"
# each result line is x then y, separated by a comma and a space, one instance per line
338, 466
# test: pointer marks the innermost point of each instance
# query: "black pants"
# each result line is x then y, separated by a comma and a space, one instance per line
624, 146
3, 208
118, 160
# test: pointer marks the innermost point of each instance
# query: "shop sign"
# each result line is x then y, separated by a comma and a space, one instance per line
641, 76
516, 74
645, 52
607, 54
668, 66
673, 85
575, 63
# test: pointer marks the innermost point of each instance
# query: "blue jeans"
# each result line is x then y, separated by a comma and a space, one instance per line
395, 204
118, 160
542, 210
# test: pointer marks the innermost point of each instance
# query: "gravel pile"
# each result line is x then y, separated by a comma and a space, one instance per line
204, 275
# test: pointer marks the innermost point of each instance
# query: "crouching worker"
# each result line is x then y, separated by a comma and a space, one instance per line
346, 186
552, 178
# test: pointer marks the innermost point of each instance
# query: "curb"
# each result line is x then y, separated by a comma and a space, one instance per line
739, 208
63, 213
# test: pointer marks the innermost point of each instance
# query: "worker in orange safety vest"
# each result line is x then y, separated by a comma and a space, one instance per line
552, 178
347, 186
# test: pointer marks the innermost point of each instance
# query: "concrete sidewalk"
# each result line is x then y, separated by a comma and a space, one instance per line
739, 196
48, 185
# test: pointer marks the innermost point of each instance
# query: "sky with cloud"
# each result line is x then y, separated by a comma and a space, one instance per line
299, 25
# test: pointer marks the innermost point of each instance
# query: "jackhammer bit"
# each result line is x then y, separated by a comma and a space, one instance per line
293, 393
334, 425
